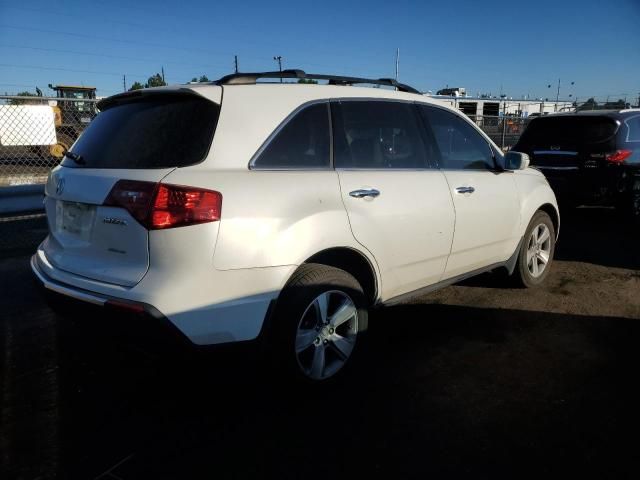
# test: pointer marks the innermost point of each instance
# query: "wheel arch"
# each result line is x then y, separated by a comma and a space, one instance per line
551, 210
353, 262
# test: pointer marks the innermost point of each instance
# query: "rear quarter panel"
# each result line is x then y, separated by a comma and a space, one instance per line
274, 218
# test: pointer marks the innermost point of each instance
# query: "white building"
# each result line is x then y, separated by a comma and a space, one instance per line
498, 107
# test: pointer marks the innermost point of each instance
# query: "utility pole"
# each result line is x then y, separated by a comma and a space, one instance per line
124, 83
162, 69
278, 58
397, 62
236, 62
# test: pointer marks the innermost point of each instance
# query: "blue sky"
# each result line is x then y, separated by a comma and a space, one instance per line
521, 46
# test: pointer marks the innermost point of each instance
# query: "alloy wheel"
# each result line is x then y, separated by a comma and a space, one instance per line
326, 334
539, 250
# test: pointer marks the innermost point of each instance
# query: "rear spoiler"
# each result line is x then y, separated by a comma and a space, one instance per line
133, 95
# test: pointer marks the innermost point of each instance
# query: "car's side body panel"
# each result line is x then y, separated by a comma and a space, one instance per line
487, 220
408, 227
534, 193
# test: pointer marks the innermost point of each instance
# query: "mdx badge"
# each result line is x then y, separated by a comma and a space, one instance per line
114, 221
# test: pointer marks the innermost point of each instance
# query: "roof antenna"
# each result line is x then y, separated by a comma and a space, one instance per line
397, 63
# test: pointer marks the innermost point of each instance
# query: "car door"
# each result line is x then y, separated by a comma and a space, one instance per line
399, 207
485, 198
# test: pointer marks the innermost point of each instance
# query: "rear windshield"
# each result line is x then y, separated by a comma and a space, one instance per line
155, 131
574, 132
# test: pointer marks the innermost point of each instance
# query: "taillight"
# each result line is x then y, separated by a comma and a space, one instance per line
158, 205
619, 157
134, 196
175, 206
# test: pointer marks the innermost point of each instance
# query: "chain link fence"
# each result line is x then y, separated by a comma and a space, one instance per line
34, 134
503, 130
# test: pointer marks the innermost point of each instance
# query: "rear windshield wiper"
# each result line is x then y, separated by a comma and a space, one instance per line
75, 157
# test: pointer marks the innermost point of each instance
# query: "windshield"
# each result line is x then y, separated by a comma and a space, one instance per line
155, 131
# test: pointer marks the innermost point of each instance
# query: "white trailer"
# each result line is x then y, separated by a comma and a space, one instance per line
27, 125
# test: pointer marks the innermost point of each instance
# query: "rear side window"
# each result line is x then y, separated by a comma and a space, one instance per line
460, 145
302, 143
378, 135
155, 131
633, 126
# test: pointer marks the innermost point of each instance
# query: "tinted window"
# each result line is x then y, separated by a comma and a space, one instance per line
158, 131
374, 134
633, 125
302, 143
460, 145
567, 132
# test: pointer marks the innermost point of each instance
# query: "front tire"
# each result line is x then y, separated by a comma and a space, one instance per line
319, 321
536, 251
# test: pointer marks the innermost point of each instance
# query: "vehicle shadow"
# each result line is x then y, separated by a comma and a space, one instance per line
601, 236
438, 389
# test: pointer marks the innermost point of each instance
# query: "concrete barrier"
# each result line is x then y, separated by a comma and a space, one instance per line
19, 199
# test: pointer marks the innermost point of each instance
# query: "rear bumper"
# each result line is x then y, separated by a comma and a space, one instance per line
139, 320
597, 186
204, 305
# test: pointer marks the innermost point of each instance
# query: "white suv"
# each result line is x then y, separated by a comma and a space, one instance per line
239, 210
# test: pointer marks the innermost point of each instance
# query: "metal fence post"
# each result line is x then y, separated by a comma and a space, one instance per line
504, 131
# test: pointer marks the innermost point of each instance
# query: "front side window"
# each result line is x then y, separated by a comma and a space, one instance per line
378, 135
302, 143
461, 146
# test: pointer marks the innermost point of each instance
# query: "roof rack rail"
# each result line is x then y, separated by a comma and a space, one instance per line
251, 78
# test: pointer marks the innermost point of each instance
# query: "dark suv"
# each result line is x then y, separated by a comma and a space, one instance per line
589, 158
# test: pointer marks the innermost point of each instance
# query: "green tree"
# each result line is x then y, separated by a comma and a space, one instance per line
203, 78
15, 101
155, 81
307, 80
136, 86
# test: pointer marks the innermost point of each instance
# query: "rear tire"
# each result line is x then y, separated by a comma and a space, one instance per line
536, 252
318, 325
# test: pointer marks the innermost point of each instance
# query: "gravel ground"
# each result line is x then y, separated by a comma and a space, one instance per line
477, 380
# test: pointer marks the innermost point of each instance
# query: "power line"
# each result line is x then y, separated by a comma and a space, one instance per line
119, 57
98, 37
15, 85
39, 67
119, 40
59, 14
159, 45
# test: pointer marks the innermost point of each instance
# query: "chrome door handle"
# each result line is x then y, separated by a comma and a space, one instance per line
366, 192
465, 190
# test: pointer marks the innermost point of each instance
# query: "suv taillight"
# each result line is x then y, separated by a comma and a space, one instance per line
159, 205
619, 157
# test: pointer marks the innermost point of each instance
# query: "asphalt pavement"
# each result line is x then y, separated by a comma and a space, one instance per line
479, 380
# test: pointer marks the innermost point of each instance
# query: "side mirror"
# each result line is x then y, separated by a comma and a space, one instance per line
516, 160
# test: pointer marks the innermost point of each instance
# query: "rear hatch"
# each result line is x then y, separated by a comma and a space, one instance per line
571, 150
134, 142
